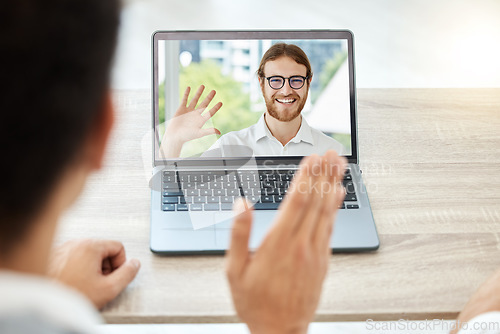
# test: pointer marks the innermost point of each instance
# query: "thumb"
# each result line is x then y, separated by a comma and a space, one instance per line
238, 250
208, 131
123, 275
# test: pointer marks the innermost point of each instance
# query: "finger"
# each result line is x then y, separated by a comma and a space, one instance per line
106, 266
186, 96
122, 276
207, 132
335, 196
113, 250
327, 221
212, 111
196, 97
318, 181
206, 101
238, 253
296, 201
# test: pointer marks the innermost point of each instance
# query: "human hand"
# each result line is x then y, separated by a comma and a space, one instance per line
485, 299
277, 288
96, 268
188, 121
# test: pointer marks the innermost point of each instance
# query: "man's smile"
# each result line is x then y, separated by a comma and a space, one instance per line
286, 101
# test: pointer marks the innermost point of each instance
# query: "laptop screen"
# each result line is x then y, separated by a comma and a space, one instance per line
261, 94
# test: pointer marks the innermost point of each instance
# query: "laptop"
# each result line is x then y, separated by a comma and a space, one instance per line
209, 150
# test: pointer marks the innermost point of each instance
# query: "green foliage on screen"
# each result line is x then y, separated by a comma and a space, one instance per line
328, 72
235, 113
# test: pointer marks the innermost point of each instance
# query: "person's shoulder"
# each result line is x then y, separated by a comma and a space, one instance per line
322, 139
24, 305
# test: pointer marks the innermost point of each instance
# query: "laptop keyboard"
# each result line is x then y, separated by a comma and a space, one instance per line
217, 190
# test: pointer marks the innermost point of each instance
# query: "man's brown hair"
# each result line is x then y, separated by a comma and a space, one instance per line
279, 50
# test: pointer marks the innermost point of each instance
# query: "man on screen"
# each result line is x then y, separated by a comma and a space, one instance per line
285, 76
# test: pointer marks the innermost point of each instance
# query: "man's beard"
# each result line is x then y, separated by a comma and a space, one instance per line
289, 116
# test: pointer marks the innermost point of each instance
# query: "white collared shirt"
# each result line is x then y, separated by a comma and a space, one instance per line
257, 140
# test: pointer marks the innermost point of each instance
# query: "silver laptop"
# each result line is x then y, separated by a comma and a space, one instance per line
257, 103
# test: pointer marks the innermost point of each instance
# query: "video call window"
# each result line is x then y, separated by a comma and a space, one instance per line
229, 67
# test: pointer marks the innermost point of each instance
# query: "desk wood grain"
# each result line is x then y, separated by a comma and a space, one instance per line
431, 163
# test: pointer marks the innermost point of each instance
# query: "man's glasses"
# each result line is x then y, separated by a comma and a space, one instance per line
295, 81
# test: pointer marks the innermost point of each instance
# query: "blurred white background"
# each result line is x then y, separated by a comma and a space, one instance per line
410, 43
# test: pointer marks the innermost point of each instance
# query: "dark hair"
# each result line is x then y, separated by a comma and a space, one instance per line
279, 50
56, 57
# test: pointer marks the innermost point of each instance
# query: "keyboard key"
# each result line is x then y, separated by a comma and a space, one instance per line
199, 199
215, 185
202, 185
184, 177
172, 193
253, 199
226, 206
268, 184
188, 185
169, 176
213, 199
258, 192
282, 184
195, 207
278, 198
273, 191
172, 178
247, 177
230, 185
233, 192
211, 207
184, 200
232, 178
342, 206
254, 185
348, 177
219, 192
266, 206
171, 185
192, 192
205, 192
170, 200
349, 187
248, 192
195, 178
350, 198
168, 207
266, 199
352, 206
182, 207
272, 177
226, 199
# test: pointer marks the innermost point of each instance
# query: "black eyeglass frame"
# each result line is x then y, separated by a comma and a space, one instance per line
284, 80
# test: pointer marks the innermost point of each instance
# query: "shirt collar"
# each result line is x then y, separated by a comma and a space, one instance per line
304, 134
261, 129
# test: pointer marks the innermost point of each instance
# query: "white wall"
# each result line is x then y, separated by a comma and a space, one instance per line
399, 43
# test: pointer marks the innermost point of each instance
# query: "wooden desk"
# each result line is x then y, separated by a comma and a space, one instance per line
431, 163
